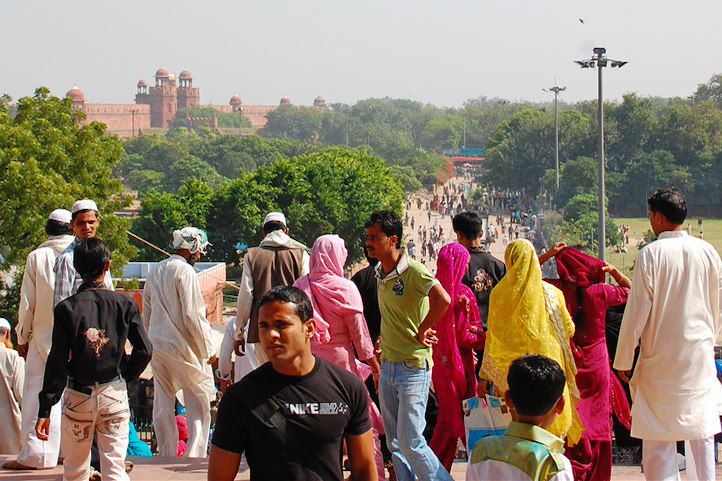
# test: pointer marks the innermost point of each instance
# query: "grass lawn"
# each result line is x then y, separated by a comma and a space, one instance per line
638, 226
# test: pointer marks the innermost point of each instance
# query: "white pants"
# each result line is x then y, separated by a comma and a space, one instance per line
104, 412
660, 460
34, 452
198, 417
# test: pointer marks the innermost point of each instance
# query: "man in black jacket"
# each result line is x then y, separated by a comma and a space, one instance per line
87, 361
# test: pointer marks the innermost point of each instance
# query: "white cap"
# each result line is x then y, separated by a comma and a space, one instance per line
85, 204
275, 216
61, 215
190, 238
4, 324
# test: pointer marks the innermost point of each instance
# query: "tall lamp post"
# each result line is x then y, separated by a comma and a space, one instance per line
600, 60
556, 90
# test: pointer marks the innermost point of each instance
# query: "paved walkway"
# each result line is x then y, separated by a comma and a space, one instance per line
161, 469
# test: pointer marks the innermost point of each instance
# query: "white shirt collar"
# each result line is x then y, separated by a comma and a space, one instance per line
670, 234
400, 268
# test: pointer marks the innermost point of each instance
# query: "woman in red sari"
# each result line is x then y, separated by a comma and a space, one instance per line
459, 332
582, 279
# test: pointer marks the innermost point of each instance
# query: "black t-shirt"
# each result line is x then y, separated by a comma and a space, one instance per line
291, 427
365, 280
485, 272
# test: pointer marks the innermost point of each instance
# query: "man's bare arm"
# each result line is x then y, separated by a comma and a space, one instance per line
223, 465
361, 457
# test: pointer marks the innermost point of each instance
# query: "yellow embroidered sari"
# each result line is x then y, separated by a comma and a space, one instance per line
528, 316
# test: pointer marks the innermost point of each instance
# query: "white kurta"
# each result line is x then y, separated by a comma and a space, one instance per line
35, 315
12, 370
35, 328
673, 309
174, 315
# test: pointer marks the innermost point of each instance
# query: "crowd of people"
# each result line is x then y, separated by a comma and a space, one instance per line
316, 368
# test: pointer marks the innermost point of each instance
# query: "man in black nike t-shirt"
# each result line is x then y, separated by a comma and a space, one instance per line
291, 415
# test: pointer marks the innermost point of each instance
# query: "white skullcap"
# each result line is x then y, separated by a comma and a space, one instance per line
275, 216
85, 204
4, 324
61, 215
190, 238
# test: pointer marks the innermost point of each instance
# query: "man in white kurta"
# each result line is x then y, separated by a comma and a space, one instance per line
673, 309
174, 315
34, 333
12, 372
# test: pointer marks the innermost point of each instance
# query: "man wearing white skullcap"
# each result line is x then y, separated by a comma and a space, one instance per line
34, 331
278, 260
174, 315
11, 392
85, 220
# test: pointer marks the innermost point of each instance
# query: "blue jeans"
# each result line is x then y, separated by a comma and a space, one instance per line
403, 393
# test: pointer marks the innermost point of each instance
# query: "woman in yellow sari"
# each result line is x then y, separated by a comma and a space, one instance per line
529, 316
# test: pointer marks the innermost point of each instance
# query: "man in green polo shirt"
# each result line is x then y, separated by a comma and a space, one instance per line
411, 301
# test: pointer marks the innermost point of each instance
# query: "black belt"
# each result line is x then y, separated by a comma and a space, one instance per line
87, 388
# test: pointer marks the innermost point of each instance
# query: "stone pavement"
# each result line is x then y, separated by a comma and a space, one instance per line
161, 469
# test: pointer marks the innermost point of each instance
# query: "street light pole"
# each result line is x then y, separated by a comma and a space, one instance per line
600, 60
602, 238
556, 91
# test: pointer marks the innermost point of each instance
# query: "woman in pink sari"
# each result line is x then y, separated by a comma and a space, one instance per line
582, 280
338, 311
459, 332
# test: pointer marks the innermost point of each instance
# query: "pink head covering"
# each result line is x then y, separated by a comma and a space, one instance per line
330, 292
452, 264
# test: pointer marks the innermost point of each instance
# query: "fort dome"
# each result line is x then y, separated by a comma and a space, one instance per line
75, 94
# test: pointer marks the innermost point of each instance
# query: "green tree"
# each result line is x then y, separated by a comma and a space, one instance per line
225, 119
47, 161
712, 90
163, 212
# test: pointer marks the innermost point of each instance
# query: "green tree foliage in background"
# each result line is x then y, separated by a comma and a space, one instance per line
47, 161
333, 190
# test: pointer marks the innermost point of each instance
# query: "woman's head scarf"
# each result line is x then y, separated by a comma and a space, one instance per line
331, 294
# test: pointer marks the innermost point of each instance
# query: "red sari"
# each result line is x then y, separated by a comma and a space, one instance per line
588, 297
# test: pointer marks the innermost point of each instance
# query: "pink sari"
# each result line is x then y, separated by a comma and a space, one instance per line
459, 332
338, 311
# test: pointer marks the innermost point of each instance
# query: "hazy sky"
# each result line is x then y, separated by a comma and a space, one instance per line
438, 51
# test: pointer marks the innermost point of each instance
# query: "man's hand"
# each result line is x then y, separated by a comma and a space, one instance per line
213, 361
625, 375
23, 350
377, 348
42, 428
239, 347
427, 337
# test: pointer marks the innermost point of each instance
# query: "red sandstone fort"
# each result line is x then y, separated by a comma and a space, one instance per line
157, 106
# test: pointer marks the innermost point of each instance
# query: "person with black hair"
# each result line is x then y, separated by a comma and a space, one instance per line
528, 451
278, 260
673, 313
411, 302
291, 415
85, 219
485, 271
34, 330
87, 364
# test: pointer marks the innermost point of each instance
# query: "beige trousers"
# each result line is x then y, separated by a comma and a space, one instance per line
104, 412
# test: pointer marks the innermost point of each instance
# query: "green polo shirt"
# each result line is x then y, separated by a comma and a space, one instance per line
404, 303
